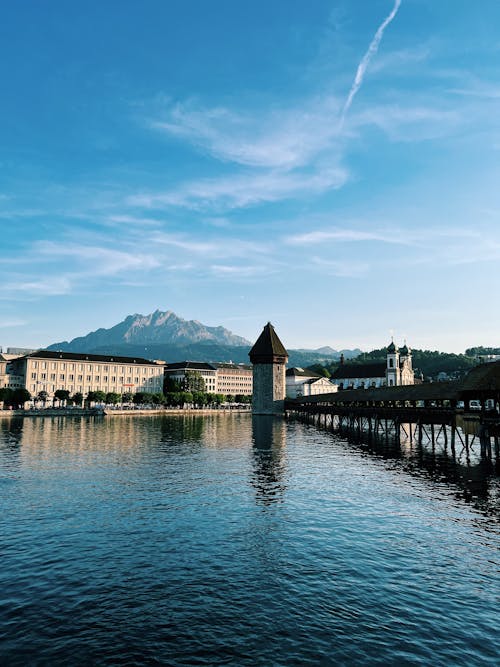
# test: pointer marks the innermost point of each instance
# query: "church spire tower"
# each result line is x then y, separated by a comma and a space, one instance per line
268, 357
392, 371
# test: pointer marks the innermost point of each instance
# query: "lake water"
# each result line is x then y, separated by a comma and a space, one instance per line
221, 541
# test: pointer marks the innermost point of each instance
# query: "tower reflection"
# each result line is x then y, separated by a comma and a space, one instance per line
268, 449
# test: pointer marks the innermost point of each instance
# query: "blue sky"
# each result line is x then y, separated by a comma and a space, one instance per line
331, 166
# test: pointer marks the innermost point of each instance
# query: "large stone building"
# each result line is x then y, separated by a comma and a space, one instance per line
397, 370
269, 358
8, 378
81, 373
219, 378
304, 382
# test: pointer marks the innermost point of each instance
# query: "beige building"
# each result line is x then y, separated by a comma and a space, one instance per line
8, 379
179, 370
81, 373
219, 378
234, 379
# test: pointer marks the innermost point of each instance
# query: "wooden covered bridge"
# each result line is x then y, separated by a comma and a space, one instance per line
463, 410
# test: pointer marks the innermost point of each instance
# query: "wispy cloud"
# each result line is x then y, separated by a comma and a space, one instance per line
343, 235
480, 89
217, 247
284, 150
342, 268
97, 260
402, 122
242, 190
365, 61
389, 235
50, 286
6, 324
238, 271
133, 221
280, 138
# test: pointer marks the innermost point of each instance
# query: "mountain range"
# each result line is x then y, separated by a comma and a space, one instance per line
165, 335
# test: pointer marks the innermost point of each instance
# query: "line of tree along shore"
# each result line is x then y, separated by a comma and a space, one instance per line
17, 398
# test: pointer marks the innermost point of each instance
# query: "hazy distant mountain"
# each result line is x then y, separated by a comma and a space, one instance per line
157, 328
172, 352
328, 352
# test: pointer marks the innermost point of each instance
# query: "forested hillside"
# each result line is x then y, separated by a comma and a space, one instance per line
429, 363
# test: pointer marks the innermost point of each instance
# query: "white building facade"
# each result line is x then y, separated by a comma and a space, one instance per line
303, 382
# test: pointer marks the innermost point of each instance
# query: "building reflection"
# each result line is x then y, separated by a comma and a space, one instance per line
268, 449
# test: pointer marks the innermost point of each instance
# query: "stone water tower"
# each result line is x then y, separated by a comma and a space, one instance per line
268, 357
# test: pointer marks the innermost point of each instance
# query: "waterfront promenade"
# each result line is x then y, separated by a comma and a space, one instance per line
112, 411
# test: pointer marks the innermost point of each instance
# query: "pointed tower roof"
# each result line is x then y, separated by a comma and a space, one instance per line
268, 348
392, 348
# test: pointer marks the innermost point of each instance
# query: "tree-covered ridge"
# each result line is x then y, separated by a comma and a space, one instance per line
481, 351
428, 362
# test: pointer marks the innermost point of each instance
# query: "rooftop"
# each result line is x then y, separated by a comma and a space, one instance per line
268, 348
84, 356
358, 371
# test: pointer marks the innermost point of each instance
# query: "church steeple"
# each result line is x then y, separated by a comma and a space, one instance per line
392, 373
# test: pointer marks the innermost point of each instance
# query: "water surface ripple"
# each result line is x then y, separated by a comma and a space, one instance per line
218, 541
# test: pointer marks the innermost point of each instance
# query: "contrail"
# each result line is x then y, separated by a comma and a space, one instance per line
372, 50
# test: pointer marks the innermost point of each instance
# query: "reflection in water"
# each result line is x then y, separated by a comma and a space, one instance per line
124, 544
269, 440
475, 477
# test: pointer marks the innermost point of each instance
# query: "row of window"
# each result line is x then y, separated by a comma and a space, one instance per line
79, 388
62, 365
89, 378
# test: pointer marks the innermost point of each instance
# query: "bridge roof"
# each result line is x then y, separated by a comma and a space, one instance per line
484, 378
483, 381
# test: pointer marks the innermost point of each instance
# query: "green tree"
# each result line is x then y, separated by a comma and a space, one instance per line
171, 385
321, 370
20, 397
186, 398
193, 381
99, 396
6, 395
42, 396
243, 398
229, 398
90, 398
77, 398
127, 397
144, 398
112, 398
173, 398
62, 395
199, 398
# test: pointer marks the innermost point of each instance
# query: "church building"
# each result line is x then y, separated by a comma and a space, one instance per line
396, 371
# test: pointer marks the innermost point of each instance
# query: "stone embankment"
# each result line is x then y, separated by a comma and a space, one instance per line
54, 412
